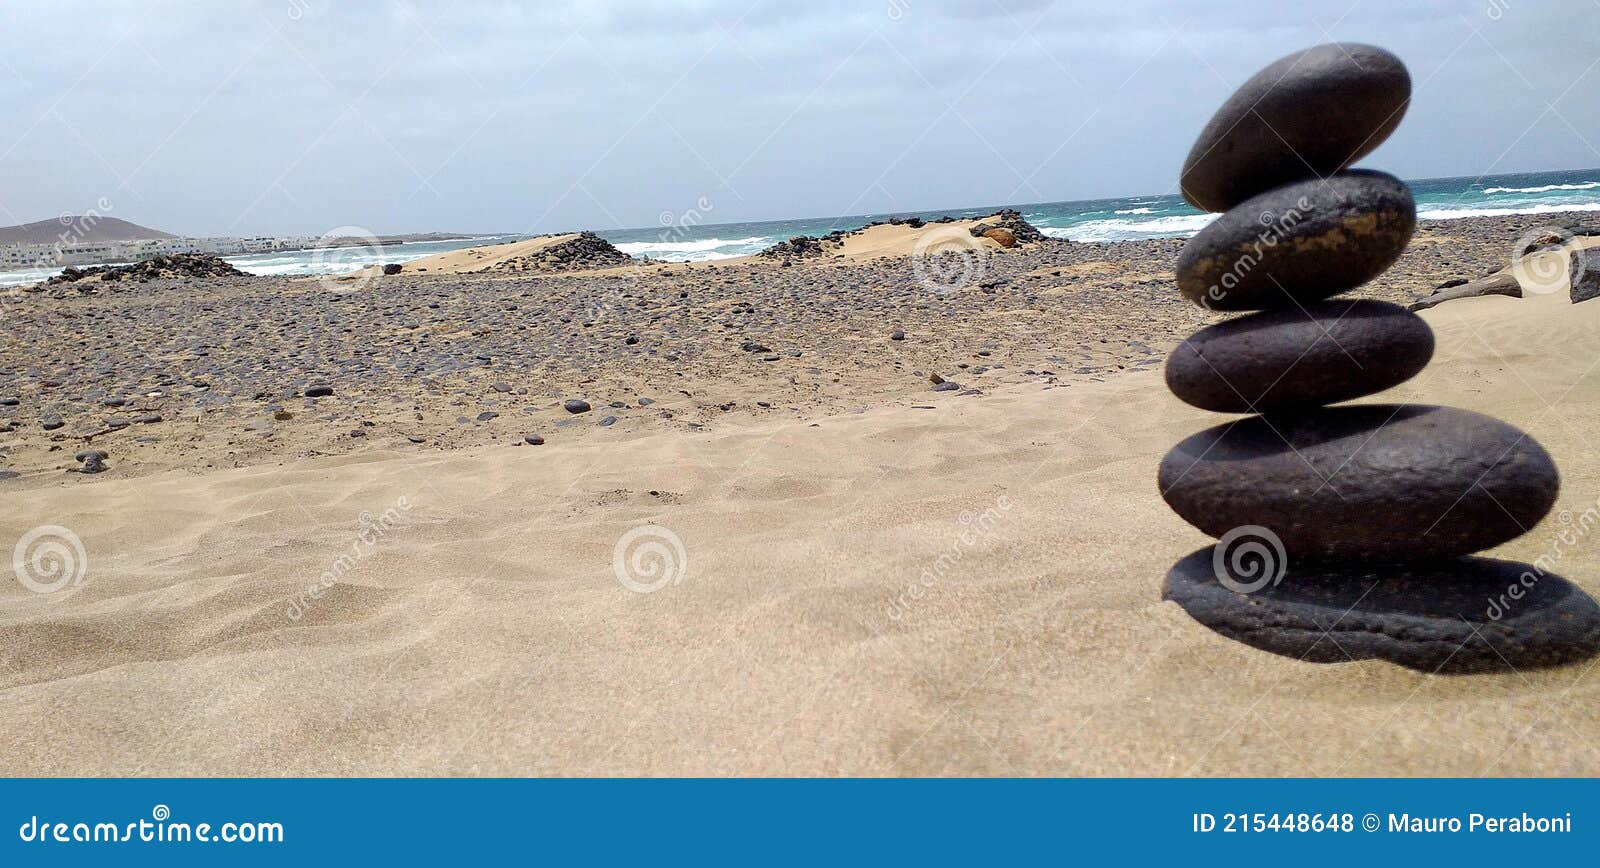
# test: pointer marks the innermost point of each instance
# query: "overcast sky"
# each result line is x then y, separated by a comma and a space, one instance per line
298, 116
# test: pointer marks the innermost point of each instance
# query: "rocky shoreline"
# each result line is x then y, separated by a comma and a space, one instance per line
194, 373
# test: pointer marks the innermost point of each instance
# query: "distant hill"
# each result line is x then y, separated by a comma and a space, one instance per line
76, 230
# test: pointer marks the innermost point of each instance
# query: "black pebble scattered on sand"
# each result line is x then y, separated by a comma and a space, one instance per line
576, 405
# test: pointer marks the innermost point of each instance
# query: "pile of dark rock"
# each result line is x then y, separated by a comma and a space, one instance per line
588, 250
1344, 531
585, 251
798, 247
1011, 221
174, 265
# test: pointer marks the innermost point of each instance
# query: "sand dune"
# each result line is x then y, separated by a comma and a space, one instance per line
902, 240
474, 259
972, 589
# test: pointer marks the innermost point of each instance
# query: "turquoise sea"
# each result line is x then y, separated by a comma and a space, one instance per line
1095, 220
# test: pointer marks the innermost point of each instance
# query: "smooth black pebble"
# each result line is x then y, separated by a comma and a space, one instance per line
1440, 616
1371, 482
1299, 243
1323, 353
1306, 115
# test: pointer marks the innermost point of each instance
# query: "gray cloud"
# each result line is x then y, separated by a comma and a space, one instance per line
300, 115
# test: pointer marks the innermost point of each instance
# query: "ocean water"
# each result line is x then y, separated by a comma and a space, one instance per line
1124, 219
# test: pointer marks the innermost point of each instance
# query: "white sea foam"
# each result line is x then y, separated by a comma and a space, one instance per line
1458, 213
701, 250
1586, 185
1125, 229
1134, 211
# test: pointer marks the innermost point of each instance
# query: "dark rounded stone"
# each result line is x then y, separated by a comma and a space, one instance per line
608, 421
51, 423
1299, 243
1306, 115
1464, 615
1372, 482
319, 391
575, 405
1322, 353
533, 439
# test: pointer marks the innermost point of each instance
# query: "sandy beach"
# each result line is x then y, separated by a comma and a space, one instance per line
874, 578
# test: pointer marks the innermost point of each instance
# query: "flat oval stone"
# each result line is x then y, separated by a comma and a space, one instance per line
1370, 482
1466, 615
1306, 115
1322, 353
1299, 243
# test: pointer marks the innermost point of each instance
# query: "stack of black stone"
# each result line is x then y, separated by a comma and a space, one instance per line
1343, 530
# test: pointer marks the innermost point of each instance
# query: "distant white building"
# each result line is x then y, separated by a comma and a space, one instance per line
16, 256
